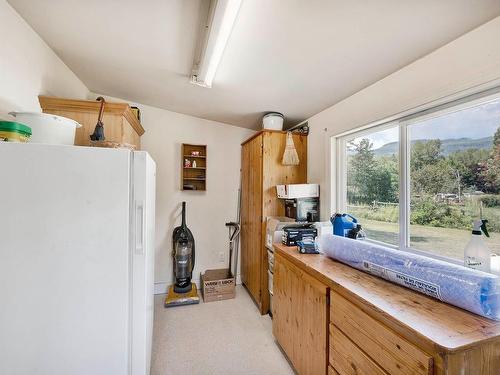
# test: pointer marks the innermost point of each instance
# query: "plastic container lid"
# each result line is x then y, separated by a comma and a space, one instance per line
16, 127
273, 114
40, 115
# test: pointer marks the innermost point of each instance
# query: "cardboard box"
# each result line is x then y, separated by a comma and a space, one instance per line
294, 191
216, 286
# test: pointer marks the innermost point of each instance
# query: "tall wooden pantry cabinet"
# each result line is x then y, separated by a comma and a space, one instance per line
261, 171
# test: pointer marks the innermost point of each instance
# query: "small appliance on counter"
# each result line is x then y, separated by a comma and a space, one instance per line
307, 246
298, 232
301, 201
346, 225
302, 209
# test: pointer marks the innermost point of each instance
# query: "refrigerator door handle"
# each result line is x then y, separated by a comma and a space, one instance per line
139, 227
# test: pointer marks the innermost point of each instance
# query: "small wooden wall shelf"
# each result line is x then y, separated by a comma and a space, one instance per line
193, 167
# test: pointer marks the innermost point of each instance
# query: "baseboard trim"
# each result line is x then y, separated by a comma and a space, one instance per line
161, 287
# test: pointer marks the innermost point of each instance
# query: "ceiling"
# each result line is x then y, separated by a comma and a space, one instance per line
297, 57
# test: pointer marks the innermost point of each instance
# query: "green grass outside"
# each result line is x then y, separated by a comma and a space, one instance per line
447, 242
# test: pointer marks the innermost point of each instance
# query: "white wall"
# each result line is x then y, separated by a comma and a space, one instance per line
28, 67
469, 61
207, 212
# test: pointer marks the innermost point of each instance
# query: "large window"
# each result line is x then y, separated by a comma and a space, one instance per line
418, 183
372, 183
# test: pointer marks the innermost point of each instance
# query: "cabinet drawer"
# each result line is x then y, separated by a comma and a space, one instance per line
348, 359
393, 353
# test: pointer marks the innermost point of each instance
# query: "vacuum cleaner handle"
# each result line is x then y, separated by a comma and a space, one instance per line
183, 215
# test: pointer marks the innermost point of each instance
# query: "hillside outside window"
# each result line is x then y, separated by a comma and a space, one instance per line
417, 183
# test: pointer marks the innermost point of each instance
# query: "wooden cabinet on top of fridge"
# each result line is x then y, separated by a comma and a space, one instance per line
261, 171
121, 126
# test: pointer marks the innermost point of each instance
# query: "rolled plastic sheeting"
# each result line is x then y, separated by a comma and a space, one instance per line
472, 290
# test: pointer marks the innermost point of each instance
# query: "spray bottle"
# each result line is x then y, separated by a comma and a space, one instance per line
476, 253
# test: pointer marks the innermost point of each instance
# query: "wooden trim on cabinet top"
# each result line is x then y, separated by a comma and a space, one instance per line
267, 131
425, 321
49, 103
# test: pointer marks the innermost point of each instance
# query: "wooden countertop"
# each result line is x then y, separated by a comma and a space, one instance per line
445, 327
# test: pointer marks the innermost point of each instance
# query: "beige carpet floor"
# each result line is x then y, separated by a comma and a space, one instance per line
224, 337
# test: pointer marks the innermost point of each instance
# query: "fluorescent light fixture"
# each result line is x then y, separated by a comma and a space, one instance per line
221, 18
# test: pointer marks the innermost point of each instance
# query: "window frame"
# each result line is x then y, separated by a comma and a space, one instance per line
338, 153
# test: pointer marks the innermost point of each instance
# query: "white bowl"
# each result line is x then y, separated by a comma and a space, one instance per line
48, 128
273, 121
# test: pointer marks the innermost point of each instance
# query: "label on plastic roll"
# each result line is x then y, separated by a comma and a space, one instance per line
408, 281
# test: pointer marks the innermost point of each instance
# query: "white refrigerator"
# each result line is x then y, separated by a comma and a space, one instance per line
76, 260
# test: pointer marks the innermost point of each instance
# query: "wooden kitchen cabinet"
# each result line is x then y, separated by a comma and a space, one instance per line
261, 171
300, 317
120, 124
374, 327
351, 327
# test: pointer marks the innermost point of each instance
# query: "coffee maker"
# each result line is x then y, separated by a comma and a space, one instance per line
302, 209
301, 201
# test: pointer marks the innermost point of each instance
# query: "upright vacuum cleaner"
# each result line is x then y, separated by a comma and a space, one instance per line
183, 292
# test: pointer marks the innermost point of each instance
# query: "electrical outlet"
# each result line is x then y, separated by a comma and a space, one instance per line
222, 257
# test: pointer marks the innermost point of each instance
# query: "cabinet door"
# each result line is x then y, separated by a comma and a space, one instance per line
251, 217
275, 173
300, 317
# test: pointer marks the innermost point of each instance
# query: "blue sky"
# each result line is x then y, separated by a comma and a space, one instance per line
476, 122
